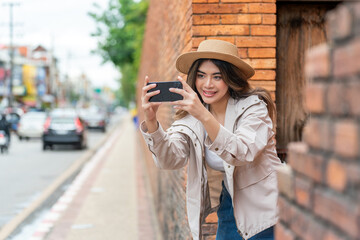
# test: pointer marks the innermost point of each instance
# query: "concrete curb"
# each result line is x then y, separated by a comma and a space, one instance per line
60, 181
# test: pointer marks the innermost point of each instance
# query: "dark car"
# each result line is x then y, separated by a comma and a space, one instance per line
94, 119
64, 127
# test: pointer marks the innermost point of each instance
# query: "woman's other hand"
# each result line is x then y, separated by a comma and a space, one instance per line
149, 108
190, 102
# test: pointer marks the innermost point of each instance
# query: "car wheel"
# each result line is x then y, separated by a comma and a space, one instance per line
20, 138
44, 146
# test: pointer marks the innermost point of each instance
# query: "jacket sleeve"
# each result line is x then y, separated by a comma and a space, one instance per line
169, 150
252, 134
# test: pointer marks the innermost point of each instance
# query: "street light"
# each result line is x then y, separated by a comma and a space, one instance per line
11, 48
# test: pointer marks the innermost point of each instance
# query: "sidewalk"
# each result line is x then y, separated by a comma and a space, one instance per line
109, 199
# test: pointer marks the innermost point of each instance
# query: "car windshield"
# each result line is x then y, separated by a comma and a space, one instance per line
62, 121
35, 117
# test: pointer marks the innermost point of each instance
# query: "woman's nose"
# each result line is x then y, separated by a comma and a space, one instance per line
208, 82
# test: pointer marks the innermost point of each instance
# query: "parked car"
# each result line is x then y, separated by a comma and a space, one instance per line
94, 118
64, 126
31, 125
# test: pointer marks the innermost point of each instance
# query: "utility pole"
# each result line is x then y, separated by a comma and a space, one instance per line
11, 49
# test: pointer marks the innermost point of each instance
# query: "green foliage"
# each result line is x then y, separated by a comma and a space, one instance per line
120, 30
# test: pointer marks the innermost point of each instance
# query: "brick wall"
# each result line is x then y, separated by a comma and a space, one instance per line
320, 188
176, 26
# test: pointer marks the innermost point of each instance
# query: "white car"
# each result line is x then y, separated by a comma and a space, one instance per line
31, 125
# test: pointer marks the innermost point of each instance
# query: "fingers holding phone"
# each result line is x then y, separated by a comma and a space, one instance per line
190, 102
149, 108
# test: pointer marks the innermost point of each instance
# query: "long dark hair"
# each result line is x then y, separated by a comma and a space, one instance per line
238, 85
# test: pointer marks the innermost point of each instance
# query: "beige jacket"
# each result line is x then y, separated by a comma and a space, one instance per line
246, 145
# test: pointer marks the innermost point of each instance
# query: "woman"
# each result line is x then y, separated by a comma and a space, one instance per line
225, 132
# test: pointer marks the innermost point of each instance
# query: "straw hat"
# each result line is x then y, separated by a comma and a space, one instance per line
214, 49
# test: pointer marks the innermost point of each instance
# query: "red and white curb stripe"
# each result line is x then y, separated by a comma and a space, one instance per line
48, 222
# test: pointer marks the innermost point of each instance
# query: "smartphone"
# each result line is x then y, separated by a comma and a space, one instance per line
165, 95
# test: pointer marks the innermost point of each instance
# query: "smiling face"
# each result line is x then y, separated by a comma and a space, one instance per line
210, 85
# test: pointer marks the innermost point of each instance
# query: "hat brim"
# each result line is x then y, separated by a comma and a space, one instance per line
185, 61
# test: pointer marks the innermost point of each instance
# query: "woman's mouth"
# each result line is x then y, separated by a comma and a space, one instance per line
209, 93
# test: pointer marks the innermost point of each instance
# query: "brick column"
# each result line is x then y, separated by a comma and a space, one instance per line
249, 24
320, 188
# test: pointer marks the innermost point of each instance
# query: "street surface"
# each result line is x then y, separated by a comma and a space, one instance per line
26, 171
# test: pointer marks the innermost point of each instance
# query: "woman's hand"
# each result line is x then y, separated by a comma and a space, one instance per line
190, 102
149, 108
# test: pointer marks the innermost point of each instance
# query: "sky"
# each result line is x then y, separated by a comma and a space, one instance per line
65, 27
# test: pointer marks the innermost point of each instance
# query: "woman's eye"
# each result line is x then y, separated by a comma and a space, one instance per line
217, 77
200, 76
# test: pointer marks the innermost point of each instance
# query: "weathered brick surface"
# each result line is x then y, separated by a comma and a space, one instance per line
283, 233
304, 191
315, 98
317, 59
346, 138
326, 165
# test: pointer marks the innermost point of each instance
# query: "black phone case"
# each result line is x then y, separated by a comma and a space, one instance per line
165, 95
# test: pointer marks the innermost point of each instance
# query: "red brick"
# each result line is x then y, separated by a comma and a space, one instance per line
317, 133
262, 8
246, 1
224, 38
310, 165
268, 85
285, 211
340, 23
265, 63
303, 191
347, 59
353, 173
208, 229
197, 41
335, 99
211, 218
283, 233
317, 61
339, 211
336, 175
264, 75
256, 41
219, 8
315, 98
331, 235
352, 97
263, 30
262, 52
209, 238
269, 19
346, 138
304, 225
206, 19
243, 53
215, 30
241, 19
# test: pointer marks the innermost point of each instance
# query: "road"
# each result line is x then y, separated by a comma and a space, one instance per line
26, 171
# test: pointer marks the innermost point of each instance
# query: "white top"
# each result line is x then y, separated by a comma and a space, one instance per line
216, 163
213, 160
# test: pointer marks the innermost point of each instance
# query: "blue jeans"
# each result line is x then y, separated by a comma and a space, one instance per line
227, 229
